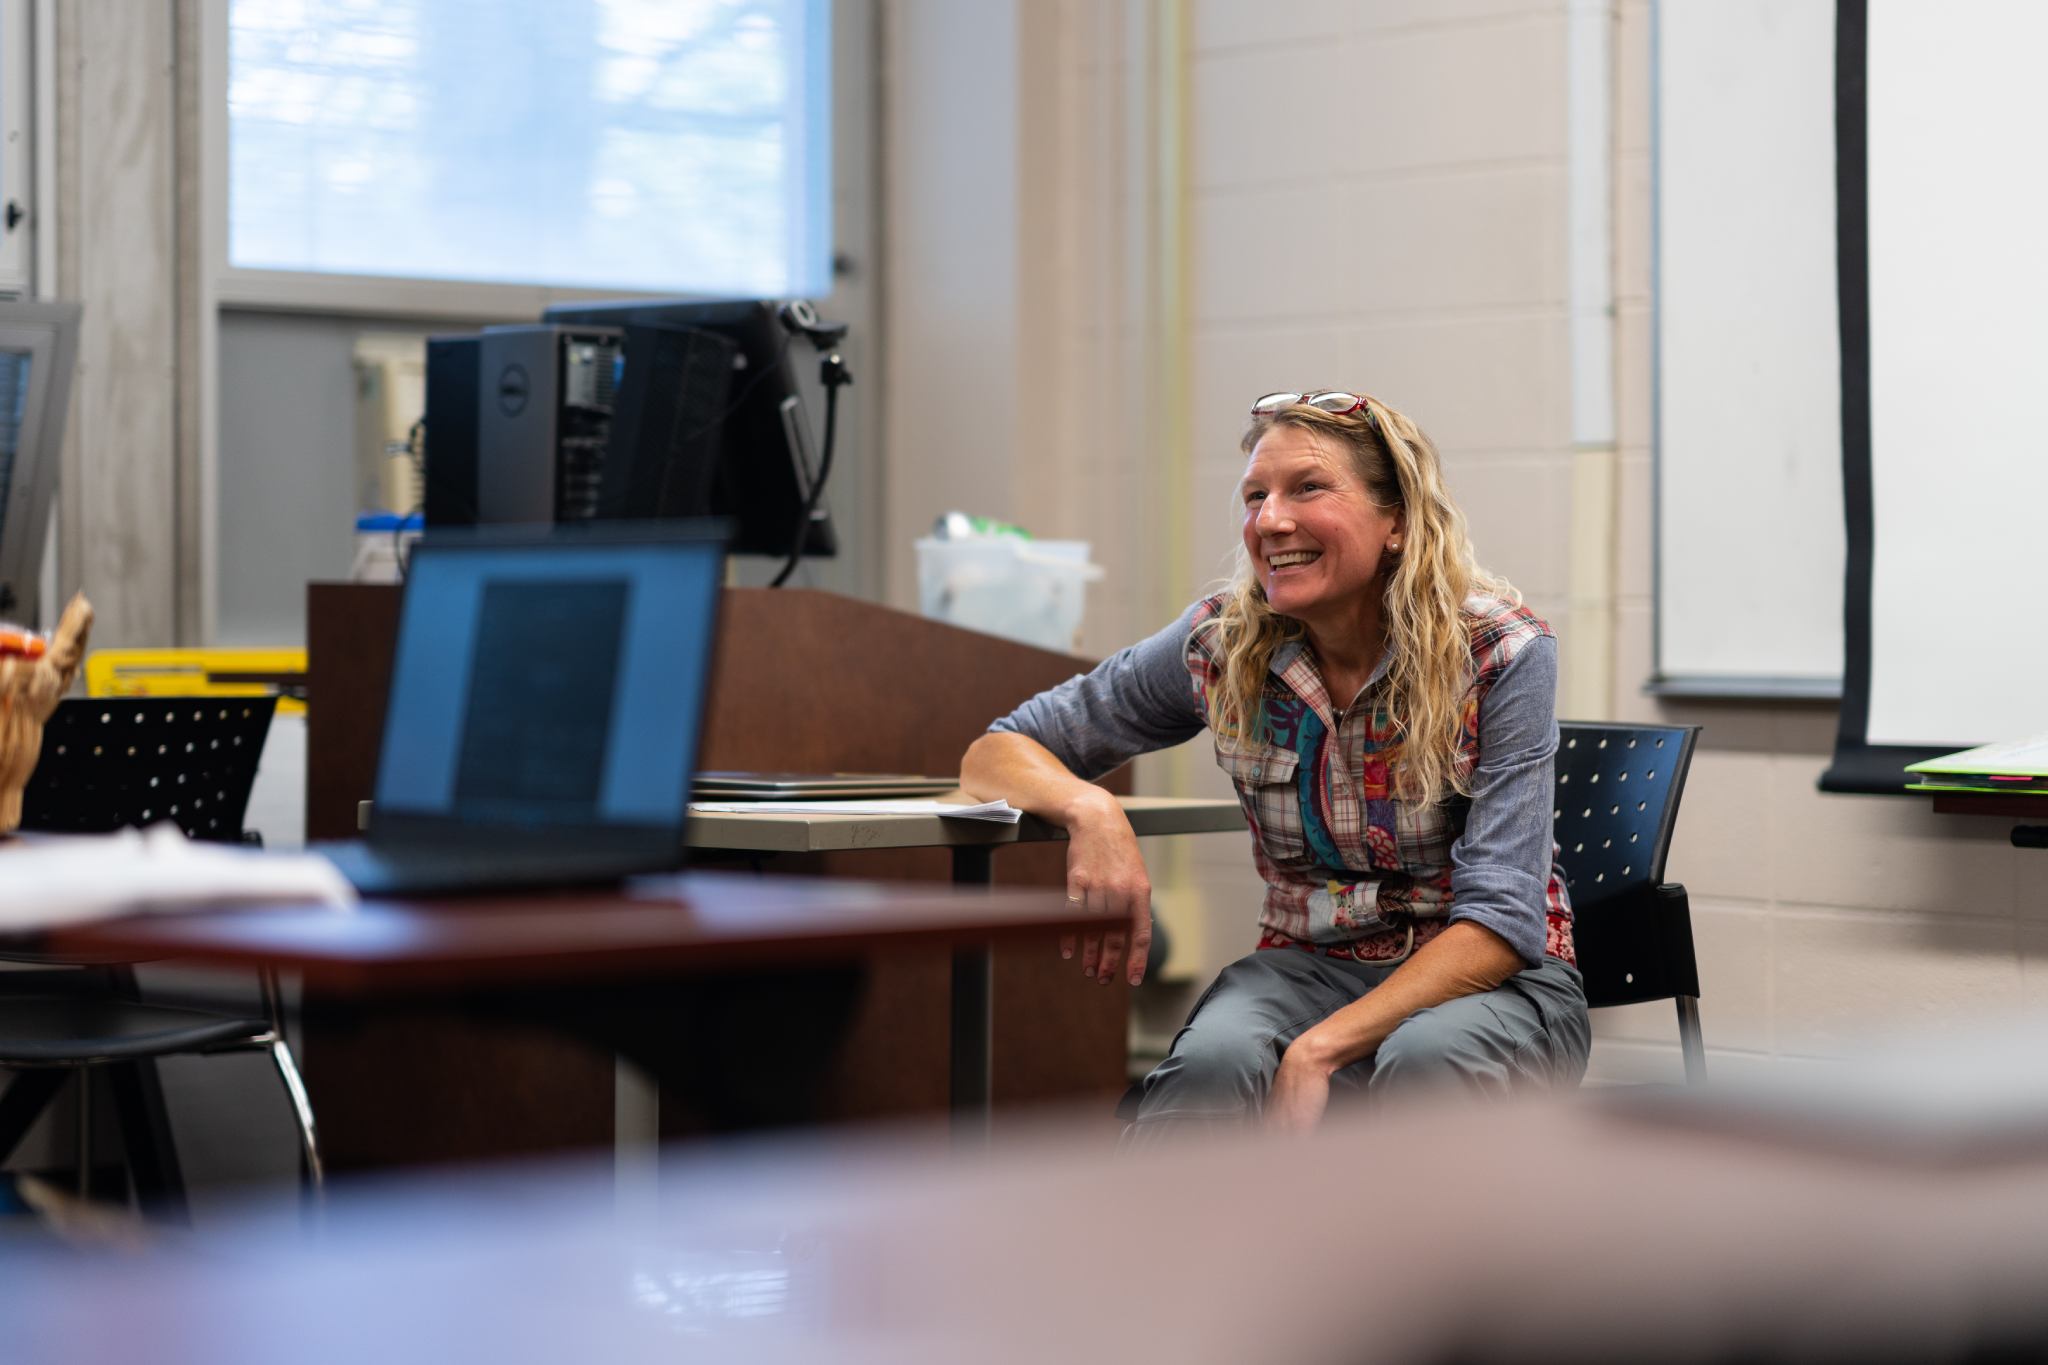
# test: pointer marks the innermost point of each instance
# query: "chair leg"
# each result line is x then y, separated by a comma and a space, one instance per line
1690, 1042
84, 1078
146, 1138
23, 1102
310, 1168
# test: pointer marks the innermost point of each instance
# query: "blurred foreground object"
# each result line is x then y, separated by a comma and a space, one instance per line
30, 688
1542, 1232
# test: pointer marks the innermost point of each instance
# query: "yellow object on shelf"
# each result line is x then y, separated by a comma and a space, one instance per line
197, 673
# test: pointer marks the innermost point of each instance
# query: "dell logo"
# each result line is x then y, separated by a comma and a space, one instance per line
513, 390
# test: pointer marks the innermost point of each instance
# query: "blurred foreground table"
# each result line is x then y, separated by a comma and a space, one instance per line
1549, 1233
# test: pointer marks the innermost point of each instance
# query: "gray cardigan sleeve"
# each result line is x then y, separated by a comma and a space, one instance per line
1137, 700
1500, 865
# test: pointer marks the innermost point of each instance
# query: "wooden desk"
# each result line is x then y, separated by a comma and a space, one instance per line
2027, 807
596, 966
656, 926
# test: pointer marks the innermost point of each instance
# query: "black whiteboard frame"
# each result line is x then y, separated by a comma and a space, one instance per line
1859, 766
1681, 686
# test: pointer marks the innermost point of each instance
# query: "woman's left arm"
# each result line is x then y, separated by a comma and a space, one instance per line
1500, 877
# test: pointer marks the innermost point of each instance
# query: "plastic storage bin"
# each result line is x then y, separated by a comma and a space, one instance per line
381, 538
1025, 590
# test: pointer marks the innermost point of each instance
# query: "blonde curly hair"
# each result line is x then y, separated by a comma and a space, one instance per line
1424, 606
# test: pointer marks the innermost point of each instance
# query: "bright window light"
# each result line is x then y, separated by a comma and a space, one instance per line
674, 146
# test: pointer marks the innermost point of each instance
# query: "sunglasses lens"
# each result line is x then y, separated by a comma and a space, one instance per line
1334, 400
1274, 402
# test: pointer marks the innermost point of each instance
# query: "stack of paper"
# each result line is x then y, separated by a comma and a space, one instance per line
156, 871
1001, 812
2016, 766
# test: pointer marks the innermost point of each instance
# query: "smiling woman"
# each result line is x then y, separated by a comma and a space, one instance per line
1386, 710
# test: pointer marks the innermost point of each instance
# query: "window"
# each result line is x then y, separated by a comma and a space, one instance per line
674, 146
16, 67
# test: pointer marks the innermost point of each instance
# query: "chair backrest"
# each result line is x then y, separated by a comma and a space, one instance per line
1616, 804
111, 762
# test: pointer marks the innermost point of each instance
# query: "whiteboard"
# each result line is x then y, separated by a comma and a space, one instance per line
1958, 367
1749, 538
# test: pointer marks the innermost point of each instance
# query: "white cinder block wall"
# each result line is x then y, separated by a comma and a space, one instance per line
1375, 195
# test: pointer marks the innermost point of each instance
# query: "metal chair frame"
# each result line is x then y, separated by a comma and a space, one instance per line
38, 1076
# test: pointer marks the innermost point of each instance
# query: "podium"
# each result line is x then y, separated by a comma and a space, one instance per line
804, 681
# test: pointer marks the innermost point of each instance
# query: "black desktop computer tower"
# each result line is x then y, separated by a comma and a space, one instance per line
540, 402
449, 476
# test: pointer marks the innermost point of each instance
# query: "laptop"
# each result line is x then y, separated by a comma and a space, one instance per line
548, 691
744, 786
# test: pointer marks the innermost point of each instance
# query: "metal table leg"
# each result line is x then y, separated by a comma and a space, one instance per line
973, 1017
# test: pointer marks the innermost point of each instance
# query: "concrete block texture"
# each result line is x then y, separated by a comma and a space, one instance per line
1632, 556
1498, 234
2033, 944
1485, 382
1634, 245
1513, 509
1847, 981
1268, 255
1459, 95
1881, 852
1272, 117
1220, 25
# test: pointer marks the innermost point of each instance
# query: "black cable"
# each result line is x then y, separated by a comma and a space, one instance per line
416, 453
833, 374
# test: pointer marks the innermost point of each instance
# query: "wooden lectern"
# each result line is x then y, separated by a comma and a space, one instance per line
805, 681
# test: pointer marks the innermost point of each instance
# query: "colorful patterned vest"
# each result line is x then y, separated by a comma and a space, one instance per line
1350, 868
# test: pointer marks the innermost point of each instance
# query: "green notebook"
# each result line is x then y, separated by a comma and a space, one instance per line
2011, 767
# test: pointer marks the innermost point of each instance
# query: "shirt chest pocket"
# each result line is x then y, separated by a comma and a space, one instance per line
1265, 778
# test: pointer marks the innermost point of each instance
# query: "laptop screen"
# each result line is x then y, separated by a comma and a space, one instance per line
550, 684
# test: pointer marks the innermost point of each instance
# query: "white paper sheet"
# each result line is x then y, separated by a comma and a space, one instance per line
1001, 812
45, 885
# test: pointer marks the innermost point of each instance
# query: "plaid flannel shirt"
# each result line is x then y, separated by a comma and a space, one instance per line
1351, 869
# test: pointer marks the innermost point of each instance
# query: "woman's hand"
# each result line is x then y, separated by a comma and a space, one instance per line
1104, 869
1106, 873
1301, 1089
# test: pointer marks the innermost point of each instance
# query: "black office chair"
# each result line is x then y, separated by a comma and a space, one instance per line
106, 764
1617, 801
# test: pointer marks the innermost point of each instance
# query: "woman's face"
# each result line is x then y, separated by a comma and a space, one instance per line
1313, 532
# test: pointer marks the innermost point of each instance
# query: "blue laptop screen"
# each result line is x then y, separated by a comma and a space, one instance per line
557, 684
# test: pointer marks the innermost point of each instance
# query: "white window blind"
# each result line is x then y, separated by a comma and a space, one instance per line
646, 145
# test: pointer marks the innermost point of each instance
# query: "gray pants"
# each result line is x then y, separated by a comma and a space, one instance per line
1531, 1031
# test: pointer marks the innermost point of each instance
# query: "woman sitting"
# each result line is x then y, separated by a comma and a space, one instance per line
1387, 712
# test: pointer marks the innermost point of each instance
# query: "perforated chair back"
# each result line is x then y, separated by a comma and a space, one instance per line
106, 763
1617, 794
111, 762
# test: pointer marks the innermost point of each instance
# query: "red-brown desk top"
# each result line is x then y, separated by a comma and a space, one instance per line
690, 922
2015, 805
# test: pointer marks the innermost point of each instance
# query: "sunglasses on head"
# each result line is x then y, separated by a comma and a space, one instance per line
1336, 402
